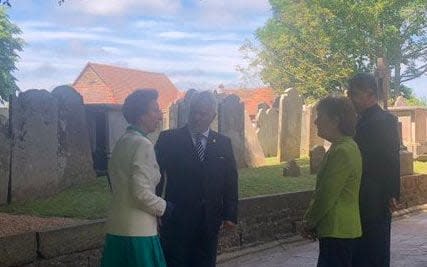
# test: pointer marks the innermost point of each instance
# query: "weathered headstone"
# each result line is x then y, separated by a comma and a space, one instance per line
317, 153
292, 169
74, 154
290, 114
263, 106
35, 146
173, 116
231, 123
184, 108
267, 130
309, 137
406, 163
254, 156
4, 161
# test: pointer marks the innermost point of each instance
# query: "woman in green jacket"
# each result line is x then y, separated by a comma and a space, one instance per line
333, 216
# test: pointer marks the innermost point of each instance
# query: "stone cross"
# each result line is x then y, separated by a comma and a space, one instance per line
382, 75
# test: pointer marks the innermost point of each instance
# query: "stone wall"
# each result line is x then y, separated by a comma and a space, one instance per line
261, 219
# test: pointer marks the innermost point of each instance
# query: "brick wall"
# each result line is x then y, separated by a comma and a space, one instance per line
261, 219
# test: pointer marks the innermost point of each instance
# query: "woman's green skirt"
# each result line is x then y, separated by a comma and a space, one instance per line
130, 251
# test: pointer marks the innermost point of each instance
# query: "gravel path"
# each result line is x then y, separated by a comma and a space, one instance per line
15, 224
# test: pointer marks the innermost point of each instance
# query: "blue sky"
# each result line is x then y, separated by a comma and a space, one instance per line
196, 43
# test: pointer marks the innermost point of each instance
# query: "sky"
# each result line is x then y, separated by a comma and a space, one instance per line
195, 43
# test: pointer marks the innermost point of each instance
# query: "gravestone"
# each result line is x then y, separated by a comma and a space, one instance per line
74, 154
184, 108
35, 146
231, 123
254, 156
290, 115
267, 130
173, 116
263, 106
4, 161
406, 162
309, 137
292, 169
317, 153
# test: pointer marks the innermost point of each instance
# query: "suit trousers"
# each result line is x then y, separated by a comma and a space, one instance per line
188, 243
373, 248
335, 252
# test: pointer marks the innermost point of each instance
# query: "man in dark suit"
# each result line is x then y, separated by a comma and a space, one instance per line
378, 139
199, 177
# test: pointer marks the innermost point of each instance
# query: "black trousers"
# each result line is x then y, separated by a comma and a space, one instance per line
188, 243
373, 248
335, 252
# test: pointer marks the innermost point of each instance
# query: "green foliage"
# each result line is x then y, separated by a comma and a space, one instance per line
417, 101
10, 45
315, 45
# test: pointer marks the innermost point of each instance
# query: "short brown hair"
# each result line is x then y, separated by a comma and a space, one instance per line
136, 104
341, 108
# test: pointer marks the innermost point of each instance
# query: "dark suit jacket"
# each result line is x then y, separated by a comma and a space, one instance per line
191, 184
378, 139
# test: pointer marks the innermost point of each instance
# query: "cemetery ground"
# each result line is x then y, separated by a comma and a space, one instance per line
90, 201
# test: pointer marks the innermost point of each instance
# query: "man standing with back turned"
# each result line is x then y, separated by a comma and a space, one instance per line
378, 139
199, 176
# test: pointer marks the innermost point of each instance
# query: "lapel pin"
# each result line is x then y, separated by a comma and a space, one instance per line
214, 141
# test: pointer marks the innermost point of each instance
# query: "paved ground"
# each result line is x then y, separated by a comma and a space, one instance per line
409, 248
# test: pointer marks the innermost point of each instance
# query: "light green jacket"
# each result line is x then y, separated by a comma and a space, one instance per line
334, 209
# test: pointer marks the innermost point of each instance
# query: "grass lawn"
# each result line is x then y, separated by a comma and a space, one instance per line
91, 200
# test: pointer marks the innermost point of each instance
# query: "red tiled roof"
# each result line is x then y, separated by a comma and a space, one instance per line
105, 84
252, 97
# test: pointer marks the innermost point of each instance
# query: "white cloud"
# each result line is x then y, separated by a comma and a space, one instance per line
124, 7
232, 14
201, 36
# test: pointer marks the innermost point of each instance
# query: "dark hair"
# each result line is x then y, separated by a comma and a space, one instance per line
363, 82
136, 104
341, 108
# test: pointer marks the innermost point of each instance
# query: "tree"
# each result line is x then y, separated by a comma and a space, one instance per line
315, 45
10, 45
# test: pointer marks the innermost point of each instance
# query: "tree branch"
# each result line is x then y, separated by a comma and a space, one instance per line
418, 72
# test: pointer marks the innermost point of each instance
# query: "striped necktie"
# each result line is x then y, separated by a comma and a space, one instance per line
199, 147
